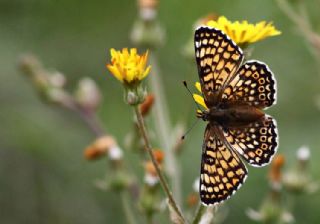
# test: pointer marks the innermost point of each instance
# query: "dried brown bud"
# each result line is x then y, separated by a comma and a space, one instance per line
148, 3
276, 166
207, 18
100, 147
147, 104
29, 64
92, 153
192, 199
149, 168
104, 142
158, 155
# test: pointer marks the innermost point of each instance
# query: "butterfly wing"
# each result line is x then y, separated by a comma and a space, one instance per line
218, 58
222, 171
257, 142
254, 84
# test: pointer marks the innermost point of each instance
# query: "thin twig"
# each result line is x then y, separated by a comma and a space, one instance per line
164, 128
95, 126
148, 147
301, 20
88, 117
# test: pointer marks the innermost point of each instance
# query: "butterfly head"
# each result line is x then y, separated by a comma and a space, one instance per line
203, 114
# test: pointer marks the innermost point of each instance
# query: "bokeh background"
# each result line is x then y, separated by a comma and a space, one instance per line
44, 177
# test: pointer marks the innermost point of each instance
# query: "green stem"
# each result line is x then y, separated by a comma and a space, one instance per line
95, 126
126, 208
164, 128
201, 209
148, 147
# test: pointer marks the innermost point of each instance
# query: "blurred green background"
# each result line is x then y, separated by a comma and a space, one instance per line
44, 177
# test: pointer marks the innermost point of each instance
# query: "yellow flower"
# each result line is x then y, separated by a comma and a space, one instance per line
128, 67
198, 98
243, 32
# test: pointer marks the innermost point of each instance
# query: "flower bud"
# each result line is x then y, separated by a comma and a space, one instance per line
270, 212
87, 94
158, 155
303, 156
150, 169
57, 80
120, 181
135, 96
147, 33
196, 185
92, 153
192, 199
151, 180
147, 104
56, 95
102, 146
298, 180
148, 9
275, 174
29, 64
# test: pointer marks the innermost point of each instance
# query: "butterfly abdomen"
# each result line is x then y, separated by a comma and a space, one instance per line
234, 115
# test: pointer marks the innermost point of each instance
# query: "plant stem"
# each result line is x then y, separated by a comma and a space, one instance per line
92, 121
127, 210
300, 19
201, 209
148, 147
95, 126
164, 129
88, 117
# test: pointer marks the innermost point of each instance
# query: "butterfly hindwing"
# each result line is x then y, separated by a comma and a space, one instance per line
254, 84
218, 58
222, 171
256, 142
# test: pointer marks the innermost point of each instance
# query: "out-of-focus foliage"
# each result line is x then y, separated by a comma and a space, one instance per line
44, 177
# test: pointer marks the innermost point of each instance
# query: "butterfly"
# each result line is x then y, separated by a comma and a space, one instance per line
235, 93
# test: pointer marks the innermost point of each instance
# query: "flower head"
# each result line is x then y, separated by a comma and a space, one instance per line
128, 66
243, 32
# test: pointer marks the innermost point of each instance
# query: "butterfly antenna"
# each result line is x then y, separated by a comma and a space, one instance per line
186, 85
187, 132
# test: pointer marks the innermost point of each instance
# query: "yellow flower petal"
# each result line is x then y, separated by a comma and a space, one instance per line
128, 66
146, 72
198, 86
115, 72
199, 100
244, 32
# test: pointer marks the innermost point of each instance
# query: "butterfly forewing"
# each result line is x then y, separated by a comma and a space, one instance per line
218, 59
222, 171
256, 142
254, 84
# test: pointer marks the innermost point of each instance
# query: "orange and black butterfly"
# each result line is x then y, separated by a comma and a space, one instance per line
235, 93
